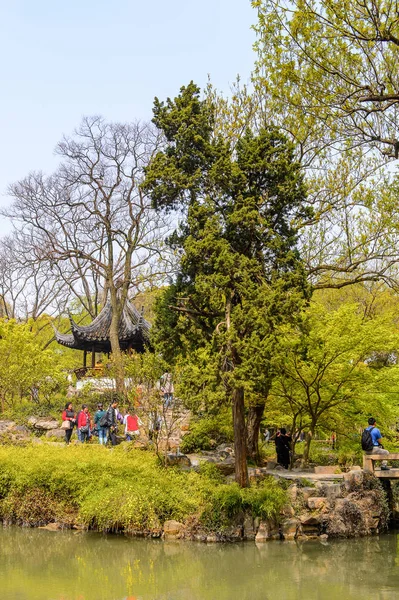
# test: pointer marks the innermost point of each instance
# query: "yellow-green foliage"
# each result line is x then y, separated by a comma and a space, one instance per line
119, 490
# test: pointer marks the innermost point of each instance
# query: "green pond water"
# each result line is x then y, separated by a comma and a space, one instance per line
42, 565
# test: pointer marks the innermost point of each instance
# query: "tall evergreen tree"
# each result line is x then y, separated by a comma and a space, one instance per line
239, 272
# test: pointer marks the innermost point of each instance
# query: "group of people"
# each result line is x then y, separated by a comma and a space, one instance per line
104, 424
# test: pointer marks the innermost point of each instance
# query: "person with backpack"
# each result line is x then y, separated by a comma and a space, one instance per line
102, 431
83, 423
371, 441
110, 421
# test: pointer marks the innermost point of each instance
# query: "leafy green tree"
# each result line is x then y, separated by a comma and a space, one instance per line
25, 369
326, 370
338, 62
326, 74
240, 274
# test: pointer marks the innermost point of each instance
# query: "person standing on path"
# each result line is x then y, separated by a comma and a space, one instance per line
68, 415
283, 446
113, 418
132, 425
267, 436
84, 424
377, 447
102, 431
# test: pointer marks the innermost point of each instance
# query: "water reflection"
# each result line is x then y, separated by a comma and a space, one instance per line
41, 565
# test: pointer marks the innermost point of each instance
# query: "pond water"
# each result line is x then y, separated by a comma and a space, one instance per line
42, 565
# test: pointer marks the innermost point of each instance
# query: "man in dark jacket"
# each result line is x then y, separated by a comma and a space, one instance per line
283, 446
113, 418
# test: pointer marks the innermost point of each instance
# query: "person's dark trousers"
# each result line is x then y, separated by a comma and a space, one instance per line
84, 436
68, 434
112, 436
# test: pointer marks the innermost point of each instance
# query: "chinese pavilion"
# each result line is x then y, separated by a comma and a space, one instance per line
134, 334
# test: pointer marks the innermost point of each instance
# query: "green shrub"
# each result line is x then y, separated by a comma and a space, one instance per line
207, 432
116, 490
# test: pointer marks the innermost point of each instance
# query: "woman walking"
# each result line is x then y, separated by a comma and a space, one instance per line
68, 421
84, 424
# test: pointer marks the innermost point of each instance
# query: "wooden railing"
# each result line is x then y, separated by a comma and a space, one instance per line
370, 459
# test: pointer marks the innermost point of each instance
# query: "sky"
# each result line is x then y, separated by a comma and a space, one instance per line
61, 61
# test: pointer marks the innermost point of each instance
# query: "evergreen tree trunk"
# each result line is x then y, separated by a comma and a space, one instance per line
255, 414
240, 446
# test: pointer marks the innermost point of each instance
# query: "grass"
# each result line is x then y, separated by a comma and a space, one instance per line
121, 490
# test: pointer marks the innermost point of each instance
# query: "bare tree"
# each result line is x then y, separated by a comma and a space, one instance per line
90, 220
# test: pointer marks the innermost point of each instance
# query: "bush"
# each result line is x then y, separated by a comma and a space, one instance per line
119, 491
207, 432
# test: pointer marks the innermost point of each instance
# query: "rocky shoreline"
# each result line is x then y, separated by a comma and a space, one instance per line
333, 505
356, 507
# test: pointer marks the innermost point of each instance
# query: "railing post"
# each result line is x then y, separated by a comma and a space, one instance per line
368, 465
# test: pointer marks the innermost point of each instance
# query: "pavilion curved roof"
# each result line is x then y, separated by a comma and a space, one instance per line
134, 331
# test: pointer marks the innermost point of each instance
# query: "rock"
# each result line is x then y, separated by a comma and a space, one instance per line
43, 424
268, 530
226, 467
327, 470
271, 464
178, 460
355, 468
51, 527
57, 433
249, 528
290, 529
307, 492
333, 491
316, 503
212, 538
324, 537
6, 426
173, 530
287, 511
292, 492
313, 520
353, 479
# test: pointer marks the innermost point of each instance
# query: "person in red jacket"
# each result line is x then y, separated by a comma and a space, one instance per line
84, 424
132, 425
68, 415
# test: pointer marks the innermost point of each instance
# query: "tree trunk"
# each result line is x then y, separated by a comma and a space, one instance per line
255, 414
309, 436
240, 446
117, 356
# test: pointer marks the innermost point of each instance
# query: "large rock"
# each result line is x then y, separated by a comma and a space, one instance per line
226, 467
57, 433
327, 470
173, 530
6, 426
291, 529
353, 479
44, 424
267, 531
178, 460
333, 491
317, 503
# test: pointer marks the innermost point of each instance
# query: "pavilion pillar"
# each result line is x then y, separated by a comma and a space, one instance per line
84, 358
93, 358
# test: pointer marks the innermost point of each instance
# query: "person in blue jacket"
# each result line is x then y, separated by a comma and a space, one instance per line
377, 445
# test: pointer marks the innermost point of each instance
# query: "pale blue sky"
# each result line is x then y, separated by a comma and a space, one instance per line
63, 60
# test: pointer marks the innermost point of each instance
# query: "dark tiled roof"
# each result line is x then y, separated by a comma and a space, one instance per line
134, 331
